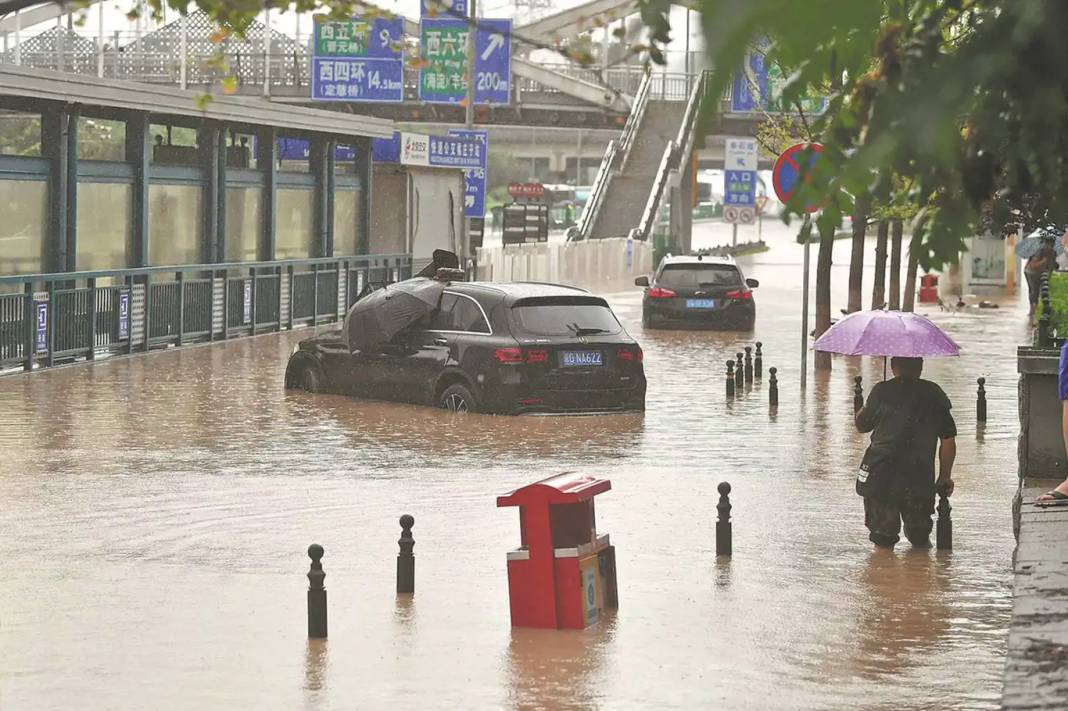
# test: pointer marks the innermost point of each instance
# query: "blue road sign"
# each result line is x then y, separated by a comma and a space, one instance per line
442, 8
474, 178
364, 80
40, 344
300, 149
743, 99
386, 150
124, 315
740, 188
455, 152
367, 65
493, 62
443, 78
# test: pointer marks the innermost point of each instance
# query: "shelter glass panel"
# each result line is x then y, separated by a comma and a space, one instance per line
24, 205
346, 211
294, 228
244, 223
105, 227
174, 145
101, 139
174, 219
20, 133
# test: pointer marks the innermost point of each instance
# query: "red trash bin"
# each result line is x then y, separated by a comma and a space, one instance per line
563, 575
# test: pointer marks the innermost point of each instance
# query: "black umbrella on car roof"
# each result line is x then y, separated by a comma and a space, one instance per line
379, 316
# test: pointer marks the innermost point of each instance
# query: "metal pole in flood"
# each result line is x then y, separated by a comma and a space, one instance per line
806, 233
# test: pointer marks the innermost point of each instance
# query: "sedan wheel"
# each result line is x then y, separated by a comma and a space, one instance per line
309, 379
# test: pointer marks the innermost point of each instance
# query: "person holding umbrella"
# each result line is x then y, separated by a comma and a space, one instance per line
1040, 250
909, 419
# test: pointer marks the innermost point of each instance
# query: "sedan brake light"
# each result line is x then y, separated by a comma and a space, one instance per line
537, 356
630, 355
660, 292
740, 295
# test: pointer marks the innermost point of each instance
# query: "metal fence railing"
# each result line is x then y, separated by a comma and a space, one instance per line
46, 319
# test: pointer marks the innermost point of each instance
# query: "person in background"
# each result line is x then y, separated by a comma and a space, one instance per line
1041, 262
1059, 494
909, 419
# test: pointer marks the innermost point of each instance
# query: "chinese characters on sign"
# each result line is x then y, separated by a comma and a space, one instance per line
429, 151
358, 60
443, 77
474, 178
740, 178
442, 8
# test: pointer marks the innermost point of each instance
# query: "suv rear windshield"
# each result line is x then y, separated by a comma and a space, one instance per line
564, 316
698, 275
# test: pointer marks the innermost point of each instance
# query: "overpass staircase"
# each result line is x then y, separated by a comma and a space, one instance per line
638, 170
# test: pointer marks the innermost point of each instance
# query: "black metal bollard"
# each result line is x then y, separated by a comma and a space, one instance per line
980, 401
858, 394
748, 365
773, 388
730, 378
758, 362
739, 372
316, 594
723, 522
944, 530
406, 559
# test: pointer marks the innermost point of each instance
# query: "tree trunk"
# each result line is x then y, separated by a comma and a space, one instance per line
894, 302
823, 291
878, 289
909, 298
861, 208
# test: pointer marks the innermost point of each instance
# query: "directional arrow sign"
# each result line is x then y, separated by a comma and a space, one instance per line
443, 78
495, 42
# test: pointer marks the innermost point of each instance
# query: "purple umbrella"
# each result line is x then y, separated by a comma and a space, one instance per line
887, 333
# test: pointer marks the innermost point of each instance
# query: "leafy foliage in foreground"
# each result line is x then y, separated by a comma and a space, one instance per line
964, 102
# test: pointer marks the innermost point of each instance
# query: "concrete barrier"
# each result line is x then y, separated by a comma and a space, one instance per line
598, 265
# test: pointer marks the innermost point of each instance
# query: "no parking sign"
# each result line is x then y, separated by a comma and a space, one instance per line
787, 171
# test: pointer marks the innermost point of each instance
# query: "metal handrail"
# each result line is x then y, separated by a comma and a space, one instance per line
614, 160
637, 114
597, 192
219, 266
675, 153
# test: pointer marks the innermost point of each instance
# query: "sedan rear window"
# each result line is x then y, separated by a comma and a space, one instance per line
565, 316
698, 275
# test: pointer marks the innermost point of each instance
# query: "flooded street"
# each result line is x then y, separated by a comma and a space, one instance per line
157, 509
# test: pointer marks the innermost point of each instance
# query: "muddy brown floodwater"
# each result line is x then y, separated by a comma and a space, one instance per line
157, 509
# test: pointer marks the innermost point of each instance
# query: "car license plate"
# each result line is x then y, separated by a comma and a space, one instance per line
700, 303
578, 359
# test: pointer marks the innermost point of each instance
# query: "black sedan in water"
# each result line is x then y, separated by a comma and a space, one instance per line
508, 348
698, 292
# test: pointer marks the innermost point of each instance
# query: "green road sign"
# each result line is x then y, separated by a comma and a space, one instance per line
444, 50
342, 38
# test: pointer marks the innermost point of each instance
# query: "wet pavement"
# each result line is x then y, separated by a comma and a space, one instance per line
157, 510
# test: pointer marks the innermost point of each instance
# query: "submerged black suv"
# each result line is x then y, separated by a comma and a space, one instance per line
697, 292
508, 348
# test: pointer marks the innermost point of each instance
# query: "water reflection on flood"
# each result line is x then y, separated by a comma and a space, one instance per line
157, 510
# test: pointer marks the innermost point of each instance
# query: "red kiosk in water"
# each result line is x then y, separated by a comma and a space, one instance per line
563, 574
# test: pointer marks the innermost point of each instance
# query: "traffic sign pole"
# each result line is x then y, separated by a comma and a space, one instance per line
806, 230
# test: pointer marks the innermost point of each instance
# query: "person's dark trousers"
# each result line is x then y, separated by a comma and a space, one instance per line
884, 518
1034, 285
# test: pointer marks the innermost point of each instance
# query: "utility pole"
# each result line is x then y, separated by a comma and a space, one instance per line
469, 121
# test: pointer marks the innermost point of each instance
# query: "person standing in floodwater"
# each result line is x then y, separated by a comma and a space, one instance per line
909, 419
1041, 262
